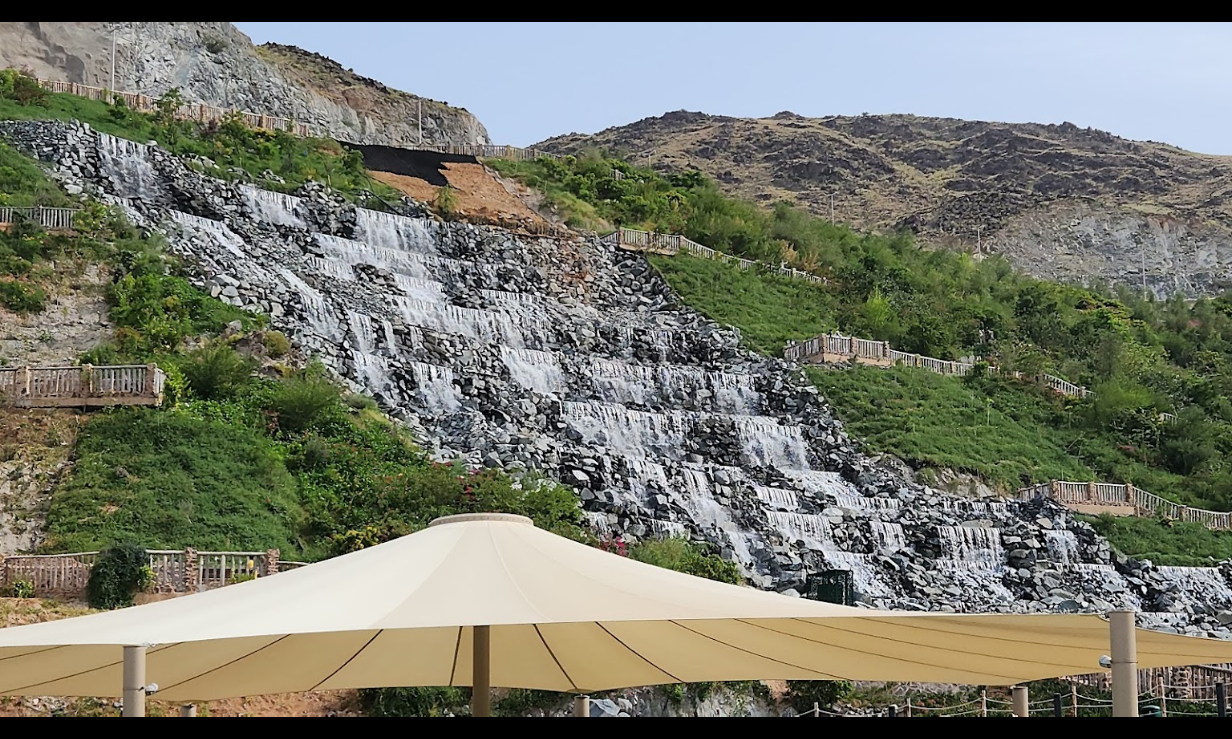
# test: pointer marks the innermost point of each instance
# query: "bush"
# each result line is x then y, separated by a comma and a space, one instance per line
825, 693
300, 401
20, 297
276, 344
518, 703
682, 555
21, 88
414, 702
21, 589
118, 574
446, 202
216, 371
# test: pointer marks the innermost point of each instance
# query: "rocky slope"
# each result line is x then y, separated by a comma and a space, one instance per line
574, 358
216, 64
1063, 202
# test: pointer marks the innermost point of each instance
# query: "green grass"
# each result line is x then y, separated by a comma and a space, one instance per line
769, 310
1164, 542
167, 480
228, 144
930, 420
23, 183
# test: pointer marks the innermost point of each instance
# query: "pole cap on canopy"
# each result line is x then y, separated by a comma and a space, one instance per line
470, 517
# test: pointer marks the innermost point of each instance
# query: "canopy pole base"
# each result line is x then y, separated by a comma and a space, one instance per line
481, 675
134, 682
581, 706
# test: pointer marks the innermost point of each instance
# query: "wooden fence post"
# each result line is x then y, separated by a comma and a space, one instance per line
148, 386
1129, 496
26, 391
1090, 492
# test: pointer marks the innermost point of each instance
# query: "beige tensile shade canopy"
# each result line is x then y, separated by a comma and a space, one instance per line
563, 617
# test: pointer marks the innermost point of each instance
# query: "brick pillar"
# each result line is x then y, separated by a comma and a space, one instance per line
192, 575
1054, 489
271, 561
1129, 496
149, 380
1091, 492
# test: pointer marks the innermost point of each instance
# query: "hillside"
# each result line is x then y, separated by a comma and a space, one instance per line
214, 63
289, 314
1064, 203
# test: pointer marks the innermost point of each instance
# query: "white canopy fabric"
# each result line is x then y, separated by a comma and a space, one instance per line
564, 617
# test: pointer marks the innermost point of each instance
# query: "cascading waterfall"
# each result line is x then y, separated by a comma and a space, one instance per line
629, 433
435, 386
275, 208
890, 537
398, 233
980, 544
417, 288
216, 231
534, 370
781, 500
318, 310
1062, 546
767, 442
127, 167
607, 380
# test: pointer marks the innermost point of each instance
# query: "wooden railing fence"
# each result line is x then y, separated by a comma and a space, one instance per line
52, 219
671, 244
81, 386
1138, 501
174, 570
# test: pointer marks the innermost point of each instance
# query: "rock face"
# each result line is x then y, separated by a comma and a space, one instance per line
214, 63
1062, 202
574, 358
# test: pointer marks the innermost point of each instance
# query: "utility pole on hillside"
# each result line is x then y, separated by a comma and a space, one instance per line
831, 207
420, 101
111, 87
979, 239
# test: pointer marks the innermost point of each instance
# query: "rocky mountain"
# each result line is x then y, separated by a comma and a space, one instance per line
1063, 202
214, 63
571, 357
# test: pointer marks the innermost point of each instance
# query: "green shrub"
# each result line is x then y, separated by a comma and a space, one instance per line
21, 589
825, 693
682, 555
446, 202
276, 344
300, 401
216, 371
21, 297
518, 702
21, 88
414, 702
120, 572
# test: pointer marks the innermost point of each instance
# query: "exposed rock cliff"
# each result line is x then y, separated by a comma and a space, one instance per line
216, 64
1063, 202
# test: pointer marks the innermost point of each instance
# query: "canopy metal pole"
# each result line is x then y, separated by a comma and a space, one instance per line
481, 674
188, 710
581, 706
1018, 696
1124, 663
134, 682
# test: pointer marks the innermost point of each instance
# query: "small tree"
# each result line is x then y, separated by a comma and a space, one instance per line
119, 573
168, 106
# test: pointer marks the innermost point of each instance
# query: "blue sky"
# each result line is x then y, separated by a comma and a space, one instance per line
1167, 82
